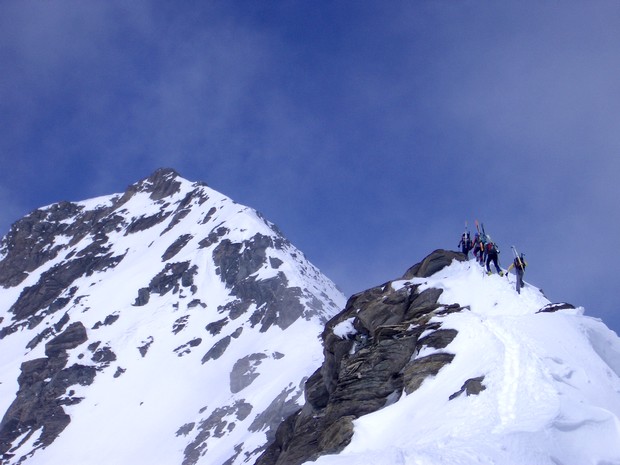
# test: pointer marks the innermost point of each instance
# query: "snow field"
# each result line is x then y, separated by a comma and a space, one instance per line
550, 398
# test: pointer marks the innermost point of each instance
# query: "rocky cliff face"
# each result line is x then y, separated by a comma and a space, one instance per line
385, 343
134, 286
372, 356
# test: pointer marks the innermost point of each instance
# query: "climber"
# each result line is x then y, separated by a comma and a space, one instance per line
478, 246
492, 255
519, 265
465, 244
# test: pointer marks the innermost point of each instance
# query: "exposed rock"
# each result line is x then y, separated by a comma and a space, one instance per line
29, 242
104, 357
217, 350
215, 327
213, 237
471, 387
196, 303
185, 429
43, 384
244, 373
275, 302
179, 324
187, 347
216, 424
176, 247
55, 281
281, 407
436, 261
337, 435
555, 307
73, 336
144, 348
171, 278
369, 366
35, 341
417, 371
110, 319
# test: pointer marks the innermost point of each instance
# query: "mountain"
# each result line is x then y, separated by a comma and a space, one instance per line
449, 366
164, 325
170, 325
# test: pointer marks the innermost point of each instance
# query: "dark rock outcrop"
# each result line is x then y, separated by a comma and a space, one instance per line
433, 263
471, 387
549, 308
275, 302
371, 358
221, 421
171, 278
43, 390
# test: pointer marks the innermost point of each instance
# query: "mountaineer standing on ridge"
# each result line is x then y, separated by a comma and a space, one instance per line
465, 244
519, 265
492, 254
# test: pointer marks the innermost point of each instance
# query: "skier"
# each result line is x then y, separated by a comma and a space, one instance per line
478, 248
465, 244
519, 265
492, 252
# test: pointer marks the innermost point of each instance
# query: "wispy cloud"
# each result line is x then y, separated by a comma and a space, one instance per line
369, 133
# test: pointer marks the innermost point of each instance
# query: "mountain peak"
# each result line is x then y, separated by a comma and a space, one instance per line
131, 306
162, 183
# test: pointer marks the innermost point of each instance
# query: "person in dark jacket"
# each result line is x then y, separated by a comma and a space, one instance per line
519, 265
465, 244
478, 247
492, 254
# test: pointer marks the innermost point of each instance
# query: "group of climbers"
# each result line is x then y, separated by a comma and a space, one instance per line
486, 251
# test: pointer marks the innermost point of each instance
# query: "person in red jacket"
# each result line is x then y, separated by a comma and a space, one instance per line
492, 253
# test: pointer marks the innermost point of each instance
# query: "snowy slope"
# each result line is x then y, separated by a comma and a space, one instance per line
166, 315
552, 383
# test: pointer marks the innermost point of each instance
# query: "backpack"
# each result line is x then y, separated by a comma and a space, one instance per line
492, 248
466, 239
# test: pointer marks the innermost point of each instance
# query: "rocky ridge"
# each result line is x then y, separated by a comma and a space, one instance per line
383, 345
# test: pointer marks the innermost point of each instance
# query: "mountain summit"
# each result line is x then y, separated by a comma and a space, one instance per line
162, 325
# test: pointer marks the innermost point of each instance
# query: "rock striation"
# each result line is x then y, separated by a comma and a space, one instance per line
385, 342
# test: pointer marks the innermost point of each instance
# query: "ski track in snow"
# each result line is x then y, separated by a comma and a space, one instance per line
510, 382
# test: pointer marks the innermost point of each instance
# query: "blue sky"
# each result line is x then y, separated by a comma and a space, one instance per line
369, 132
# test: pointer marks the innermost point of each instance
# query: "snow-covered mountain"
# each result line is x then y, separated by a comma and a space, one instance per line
164, 325
449, 366
169, 325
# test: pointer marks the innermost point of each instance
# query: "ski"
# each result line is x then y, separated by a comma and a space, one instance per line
516, 254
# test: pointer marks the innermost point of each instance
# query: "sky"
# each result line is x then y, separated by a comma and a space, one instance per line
369, 132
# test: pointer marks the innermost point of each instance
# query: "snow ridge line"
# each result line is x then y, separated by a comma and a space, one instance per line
507, 399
